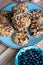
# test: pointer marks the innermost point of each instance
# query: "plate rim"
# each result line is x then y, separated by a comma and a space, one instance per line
10, 5
23, 50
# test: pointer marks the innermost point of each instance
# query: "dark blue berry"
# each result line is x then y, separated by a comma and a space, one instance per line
30, 57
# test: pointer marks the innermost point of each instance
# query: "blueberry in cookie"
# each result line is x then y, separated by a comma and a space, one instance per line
36, 29
36, 16
5, 17
21, 38
21, 21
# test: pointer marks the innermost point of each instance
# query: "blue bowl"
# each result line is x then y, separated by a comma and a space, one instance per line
23, 50
8, 40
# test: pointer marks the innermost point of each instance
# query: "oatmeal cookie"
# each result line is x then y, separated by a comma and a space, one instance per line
1, 27
21, 22
36, 29
5, 16
37, 16
20, 8
6, 30
21, 38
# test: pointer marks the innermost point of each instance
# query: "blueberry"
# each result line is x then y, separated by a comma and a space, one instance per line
35, 64
36, 60
33, 53
23, 53
29, 60
37, 57
19, 57
23, 63
25, 58
40, 62
28, 63
32, 56
27, 52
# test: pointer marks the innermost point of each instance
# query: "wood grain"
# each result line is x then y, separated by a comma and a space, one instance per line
7, 56
11, 62
2, 48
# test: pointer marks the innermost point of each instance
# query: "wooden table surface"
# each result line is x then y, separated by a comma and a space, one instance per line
7, 54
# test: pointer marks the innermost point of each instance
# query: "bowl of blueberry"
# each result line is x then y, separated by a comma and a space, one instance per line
31, 55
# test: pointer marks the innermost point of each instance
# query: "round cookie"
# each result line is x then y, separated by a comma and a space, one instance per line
20, 8
6, 30
21, 21
5, 16
21, 38
36, 29
37, 16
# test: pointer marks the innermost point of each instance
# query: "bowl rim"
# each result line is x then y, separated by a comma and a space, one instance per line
23, 50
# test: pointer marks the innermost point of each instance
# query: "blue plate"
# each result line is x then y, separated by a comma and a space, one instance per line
8, 40
23, 50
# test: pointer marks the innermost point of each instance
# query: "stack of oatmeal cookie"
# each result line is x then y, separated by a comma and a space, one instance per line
21, 20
